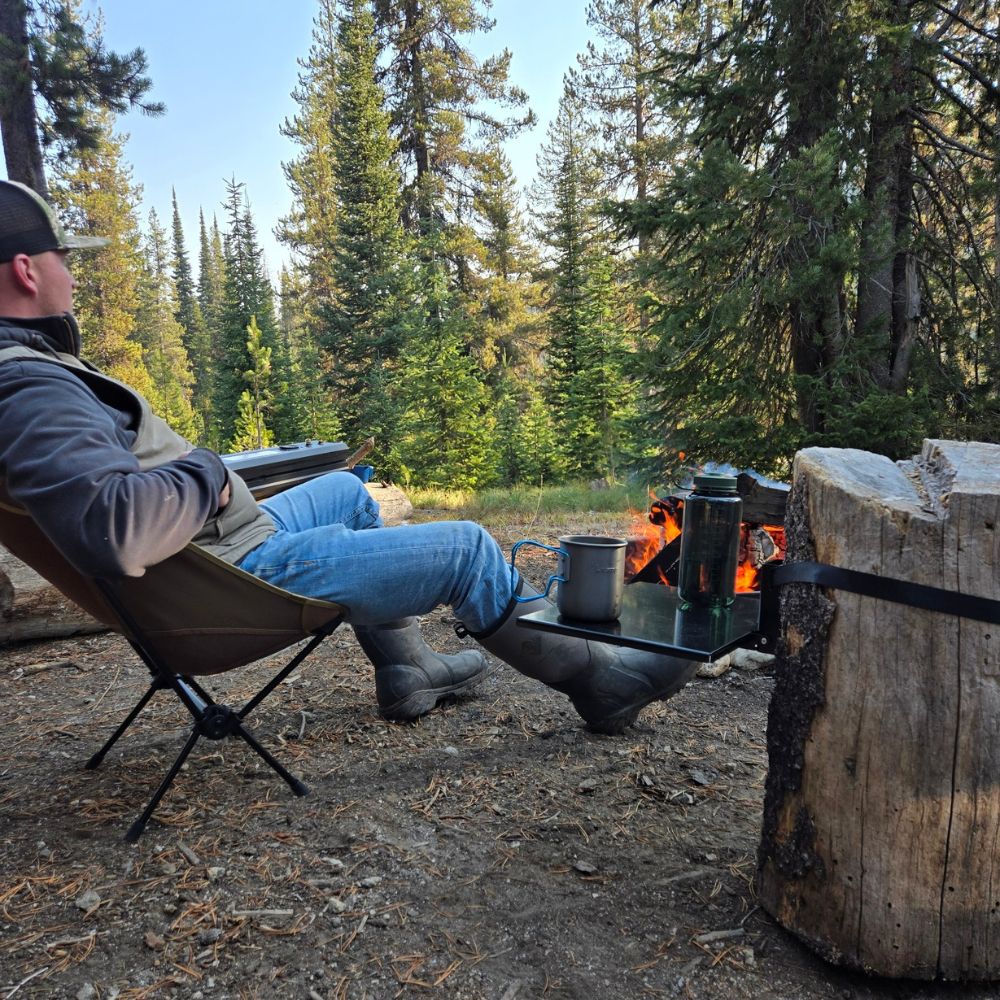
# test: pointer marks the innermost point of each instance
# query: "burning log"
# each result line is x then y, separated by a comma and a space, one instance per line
653, 553
882, 804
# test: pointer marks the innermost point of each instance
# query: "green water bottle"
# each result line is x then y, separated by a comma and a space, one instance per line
710, 542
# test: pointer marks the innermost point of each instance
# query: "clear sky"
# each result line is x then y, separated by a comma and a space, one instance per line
226, 68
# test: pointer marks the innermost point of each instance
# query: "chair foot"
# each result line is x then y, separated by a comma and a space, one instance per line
135, 831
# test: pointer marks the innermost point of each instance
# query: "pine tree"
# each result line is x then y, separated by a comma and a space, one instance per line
310, 228
825, 189
211, 274
56, 78
437, 89
162, 337
95, 195
586, 384
250, 427
207, 357
507, 291
188, 312
362, 331
448, 431
197, 340
247, 295
614, 82
310, 365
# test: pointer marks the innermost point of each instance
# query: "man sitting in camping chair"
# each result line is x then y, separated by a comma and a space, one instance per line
116, 491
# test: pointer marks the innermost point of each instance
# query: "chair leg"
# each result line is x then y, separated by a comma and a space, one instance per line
136, 829
96, 759
300, 788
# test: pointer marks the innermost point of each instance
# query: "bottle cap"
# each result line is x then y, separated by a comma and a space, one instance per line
715, 481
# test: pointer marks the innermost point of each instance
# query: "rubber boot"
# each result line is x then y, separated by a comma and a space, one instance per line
608, 685
410, 678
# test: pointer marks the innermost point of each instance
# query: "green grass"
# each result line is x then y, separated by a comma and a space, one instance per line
531, 501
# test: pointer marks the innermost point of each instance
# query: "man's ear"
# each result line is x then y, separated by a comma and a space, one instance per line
22, 271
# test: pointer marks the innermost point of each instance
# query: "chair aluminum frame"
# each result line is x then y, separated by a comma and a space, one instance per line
169, 615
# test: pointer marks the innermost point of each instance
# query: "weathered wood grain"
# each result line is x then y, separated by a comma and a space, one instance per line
881, 838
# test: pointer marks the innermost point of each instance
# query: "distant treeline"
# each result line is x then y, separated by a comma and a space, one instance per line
754, 227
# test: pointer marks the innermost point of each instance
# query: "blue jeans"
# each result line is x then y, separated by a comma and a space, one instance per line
331, 544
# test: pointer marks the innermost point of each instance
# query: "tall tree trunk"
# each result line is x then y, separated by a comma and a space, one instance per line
886, 275
421, 148
815, 315
18, 126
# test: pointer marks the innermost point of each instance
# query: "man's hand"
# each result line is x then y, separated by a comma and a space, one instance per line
224, 496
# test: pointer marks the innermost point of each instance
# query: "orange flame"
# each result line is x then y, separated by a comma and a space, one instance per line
652, 532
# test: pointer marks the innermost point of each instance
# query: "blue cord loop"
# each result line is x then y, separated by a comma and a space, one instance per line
555, 578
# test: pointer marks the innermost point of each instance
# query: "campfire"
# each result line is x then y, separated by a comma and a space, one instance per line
654, 547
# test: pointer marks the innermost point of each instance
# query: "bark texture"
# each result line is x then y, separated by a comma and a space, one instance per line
882, 804
18, 124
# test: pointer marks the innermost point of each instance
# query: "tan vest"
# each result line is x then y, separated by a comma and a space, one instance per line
230, 535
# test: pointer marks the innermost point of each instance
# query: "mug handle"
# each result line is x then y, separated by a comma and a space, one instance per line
555, 578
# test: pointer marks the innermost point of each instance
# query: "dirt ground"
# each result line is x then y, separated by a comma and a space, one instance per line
495, 850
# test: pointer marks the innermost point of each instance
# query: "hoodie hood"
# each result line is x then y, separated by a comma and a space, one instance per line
46, 334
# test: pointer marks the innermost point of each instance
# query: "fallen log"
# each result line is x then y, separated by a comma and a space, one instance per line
31, 608
881, 832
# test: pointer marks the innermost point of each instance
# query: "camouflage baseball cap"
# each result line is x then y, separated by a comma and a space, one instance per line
29, 225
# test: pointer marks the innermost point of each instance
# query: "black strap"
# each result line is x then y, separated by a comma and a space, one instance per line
916, 595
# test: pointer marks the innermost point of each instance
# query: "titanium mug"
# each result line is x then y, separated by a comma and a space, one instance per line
591, 576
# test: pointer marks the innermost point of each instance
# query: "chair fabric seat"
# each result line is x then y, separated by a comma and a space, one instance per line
188, 616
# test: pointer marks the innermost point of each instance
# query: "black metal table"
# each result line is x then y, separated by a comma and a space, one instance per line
652, 618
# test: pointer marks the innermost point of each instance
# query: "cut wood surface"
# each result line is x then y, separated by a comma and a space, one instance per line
881, 837
31, 608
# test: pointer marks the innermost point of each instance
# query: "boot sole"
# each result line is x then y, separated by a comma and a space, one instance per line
419, 703
618, 722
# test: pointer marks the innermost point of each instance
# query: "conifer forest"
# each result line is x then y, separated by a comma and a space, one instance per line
755, 226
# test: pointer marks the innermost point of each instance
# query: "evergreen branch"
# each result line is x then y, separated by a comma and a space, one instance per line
988, 85
942, 88
972, 26
949, 141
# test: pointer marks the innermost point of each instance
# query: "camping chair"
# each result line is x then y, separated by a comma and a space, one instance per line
190, 615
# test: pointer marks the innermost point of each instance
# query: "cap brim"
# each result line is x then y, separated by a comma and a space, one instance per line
85, 242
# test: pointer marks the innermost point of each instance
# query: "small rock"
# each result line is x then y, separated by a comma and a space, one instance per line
86, 992
336, 904
334, 863
153, 941
586, 786
210, 935
700, 778
451, 751
215, 872
584, 867
370, 882
88, 900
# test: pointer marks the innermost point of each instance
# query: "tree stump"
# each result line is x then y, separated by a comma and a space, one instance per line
880, 845
31, 608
